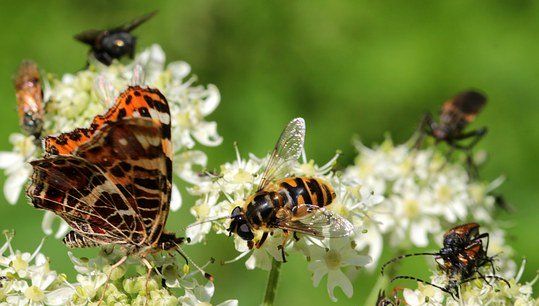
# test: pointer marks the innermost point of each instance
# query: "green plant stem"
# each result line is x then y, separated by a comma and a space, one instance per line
273, 281
380, 284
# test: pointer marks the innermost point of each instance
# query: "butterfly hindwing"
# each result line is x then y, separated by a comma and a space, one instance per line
86, 198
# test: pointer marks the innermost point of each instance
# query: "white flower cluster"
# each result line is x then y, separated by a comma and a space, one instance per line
73, 100
26, 279
425, 193
474, 293
237, 180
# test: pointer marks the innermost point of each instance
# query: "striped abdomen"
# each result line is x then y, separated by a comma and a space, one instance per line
262, 207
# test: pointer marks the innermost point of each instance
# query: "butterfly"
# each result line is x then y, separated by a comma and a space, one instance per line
111, 182
107, 45
30, 104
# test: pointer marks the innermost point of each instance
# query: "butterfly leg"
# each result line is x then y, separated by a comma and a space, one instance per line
148, 275
112, 268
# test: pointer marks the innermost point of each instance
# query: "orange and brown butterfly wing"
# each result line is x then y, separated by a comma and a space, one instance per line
130, 145
133, 153
462, 109
29, 94
133, 102
86, 198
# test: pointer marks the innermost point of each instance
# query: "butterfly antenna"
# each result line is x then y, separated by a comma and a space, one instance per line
216, 177
189, 260
404, 256
208, 220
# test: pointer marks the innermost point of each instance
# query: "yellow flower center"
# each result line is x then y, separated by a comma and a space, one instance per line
242, 177
19, 264
411, 208
34, 294
333, 260
444, 193
308, 168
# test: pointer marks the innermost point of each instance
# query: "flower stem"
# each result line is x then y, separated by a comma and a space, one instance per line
273, 280
380, 284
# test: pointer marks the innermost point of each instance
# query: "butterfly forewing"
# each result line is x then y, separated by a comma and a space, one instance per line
132, 103
287, 150
319, 222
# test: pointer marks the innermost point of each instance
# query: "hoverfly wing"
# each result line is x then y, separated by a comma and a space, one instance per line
286, 152
89, 36
130, 26
319, 222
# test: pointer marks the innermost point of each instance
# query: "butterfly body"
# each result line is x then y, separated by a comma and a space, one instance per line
114, 43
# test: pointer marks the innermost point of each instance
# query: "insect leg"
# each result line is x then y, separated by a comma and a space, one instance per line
487, 276
262, 240
425, 128
422, 281
116, 265
285, 240
476, 134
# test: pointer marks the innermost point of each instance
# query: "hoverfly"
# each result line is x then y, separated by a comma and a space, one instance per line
290, 203
462, 255
110, 44
30, 104
455, 116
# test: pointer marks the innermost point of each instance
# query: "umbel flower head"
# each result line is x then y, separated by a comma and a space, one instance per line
476, 292
27, 279
218, 195
73, 100
424, 192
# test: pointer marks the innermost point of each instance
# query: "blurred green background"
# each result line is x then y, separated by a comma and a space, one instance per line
350, 67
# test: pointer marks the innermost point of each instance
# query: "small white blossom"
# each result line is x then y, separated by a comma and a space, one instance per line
424, 192
331, 260
15, 165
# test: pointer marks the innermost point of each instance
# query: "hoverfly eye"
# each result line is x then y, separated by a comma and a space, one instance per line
244, 228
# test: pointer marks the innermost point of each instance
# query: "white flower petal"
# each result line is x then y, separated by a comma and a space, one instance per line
46, 223
211, 101
418, 235
14, 183
411, 297
59, 296
229, 303
206, 134
8, 159
62, 229
337, 279
175, 198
